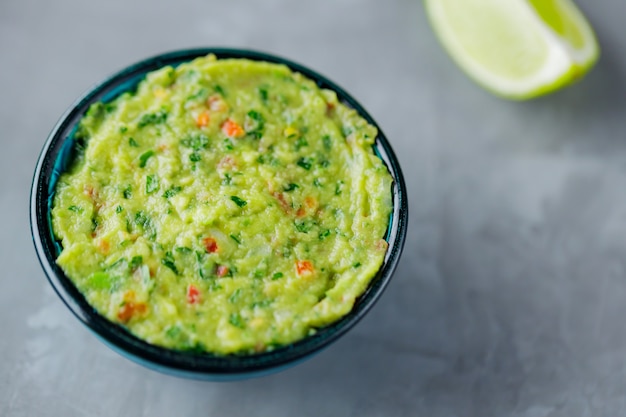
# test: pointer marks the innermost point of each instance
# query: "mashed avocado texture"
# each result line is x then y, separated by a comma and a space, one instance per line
226, 206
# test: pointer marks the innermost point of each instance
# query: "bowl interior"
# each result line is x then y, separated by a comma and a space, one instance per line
58, 153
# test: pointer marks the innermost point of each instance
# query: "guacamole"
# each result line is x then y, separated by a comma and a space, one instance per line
224, 206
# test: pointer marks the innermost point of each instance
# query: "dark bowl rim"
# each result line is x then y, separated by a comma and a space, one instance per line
184, 363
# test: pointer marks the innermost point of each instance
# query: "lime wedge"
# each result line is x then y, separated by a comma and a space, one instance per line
517, 49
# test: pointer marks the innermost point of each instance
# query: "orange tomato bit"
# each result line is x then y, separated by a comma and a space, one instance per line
210, 244
193, 295
203, 119
304, 268
221, 271
232, 129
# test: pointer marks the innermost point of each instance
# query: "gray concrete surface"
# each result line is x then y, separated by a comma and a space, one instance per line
510, 299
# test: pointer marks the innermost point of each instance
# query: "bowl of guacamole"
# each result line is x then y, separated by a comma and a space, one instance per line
218, 213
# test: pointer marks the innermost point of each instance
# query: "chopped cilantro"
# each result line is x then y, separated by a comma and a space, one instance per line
254, 124
323, 235
136, 261
228, 145
328, 142
236, 320
218, 89
305, 163
338, 187
290, 187
152, 183
300, 143
172, 191
168, 261
195, 142
303, 226
152, 119
200, 94
240, 202
234, 296
143, 159
173, 332
141, 219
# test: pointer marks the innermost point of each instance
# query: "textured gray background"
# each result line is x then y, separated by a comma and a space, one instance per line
510, 299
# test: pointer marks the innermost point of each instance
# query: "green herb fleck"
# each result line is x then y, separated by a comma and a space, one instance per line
123, 129
200, 94
323, 235
136, 262
328, 142
195, 142
173, 332
143, 159
277, 275
290, 187
317, 183
263, 94
338, 187
142, 219
119, 209
218, 89
303, 226
236, 320
95, 222
305, 163
168, 261
152, 183
261, 304
195, 157
128, 192
240, 202
152, 119
234, 296
236, 239
115, 264
227, 179
254, 124
300, 143
75, 209
172, 191
132, 142
356, 265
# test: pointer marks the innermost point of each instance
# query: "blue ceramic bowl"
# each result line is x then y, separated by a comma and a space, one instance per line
55, 158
